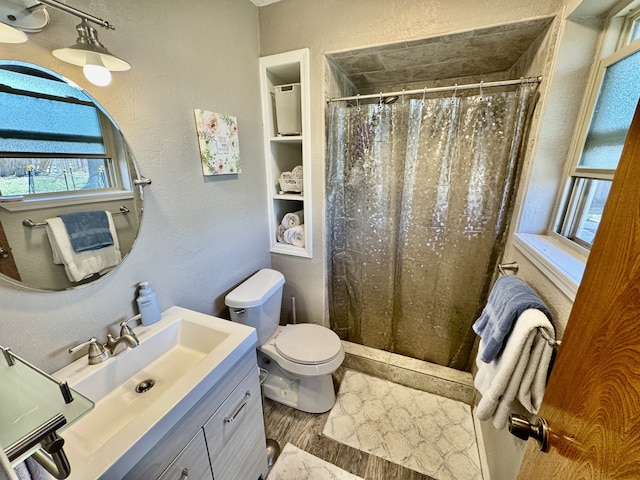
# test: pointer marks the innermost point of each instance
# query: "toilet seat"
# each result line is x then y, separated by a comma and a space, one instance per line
308, 344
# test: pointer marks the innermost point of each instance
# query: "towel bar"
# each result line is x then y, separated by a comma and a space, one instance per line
553, 343
31, 224
503, 268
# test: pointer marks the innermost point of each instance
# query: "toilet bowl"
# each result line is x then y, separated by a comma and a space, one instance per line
299, 359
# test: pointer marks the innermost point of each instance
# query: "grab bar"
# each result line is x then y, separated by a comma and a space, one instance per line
503, 268
31, 224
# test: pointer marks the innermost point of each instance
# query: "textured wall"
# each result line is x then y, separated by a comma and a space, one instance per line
334, 25
199, 237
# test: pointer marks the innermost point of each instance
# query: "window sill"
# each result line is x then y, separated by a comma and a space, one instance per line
18, 205
561, 266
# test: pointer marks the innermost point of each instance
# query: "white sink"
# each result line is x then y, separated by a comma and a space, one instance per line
184, 354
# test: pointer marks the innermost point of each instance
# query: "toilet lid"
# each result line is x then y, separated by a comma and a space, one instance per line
308, 344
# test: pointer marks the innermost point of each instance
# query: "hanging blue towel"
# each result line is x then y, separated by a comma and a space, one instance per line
88, 230
509, 297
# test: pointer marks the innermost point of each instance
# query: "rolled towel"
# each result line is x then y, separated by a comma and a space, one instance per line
295, 236
286, 175
293, 219
280, 234
22, 472
37, 471
297, 172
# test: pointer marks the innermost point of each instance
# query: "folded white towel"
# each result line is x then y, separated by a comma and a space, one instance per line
293, 219
280, 234
295, 236
519, 371
297, 172
80, 265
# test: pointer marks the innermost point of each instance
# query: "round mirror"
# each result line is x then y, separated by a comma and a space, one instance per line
70, 190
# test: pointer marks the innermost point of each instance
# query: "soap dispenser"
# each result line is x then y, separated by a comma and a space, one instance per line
147, 304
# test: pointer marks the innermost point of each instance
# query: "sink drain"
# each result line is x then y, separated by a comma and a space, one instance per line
145, 385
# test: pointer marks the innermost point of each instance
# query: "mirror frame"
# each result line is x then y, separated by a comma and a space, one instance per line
35, 239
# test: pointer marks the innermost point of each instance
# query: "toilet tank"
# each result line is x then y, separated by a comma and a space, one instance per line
256, 302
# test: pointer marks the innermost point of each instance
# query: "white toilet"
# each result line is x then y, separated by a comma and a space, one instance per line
299, 358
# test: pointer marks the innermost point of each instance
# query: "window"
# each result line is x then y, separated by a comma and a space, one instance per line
55, 143
609, 110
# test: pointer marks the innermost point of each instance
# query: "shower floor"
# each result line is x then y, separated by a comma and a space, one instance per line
409, 372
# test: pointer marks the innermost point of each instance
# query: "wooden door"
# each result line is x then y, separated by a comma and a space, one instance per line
592, 401
7, 264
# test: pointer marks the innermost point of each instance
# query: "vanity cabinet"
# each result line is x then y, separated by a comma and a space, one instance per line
193, 462
234, 449
286, 76
221, 437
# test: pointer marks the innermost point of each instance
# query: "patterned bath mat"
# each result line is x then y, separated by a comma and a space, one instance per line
418, 430
296, 464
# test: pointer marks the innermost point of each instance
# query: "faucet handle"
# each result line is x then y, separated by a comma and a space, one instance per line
125, 329
97, 352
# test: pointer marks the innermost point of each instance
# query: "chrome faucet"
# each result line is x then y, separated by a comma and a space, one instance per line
99, 353
112, 344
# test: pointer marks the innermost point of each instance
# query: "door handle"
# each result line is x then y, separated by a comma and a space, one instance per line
3, 253
520, 426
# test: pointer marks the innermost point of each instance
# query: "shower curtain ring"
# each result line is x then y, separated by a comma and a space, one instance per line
424, 94
380, 103
481, 92
358, 102
455, 91
403, 96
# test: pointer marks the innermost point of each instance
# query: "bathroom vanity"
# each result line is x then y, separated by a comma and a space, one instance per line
223, 433
201, 418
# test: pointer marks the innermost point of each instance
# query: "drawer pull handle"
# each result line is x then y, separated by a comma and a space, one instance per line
238, 409
185, 474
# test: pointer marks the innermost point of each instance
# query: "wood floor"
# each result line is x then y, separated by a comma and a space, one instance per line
304, 430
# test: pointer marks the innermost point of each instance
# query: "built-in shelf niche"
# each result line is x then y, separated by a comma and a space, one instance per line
284, 152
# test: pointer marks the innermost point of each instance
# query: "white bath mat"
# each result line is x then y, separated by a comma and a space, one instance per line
418, 430
296, 464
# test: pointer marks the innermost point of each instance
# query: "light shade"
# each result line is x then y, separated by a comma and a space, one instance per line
89, 51
8, 34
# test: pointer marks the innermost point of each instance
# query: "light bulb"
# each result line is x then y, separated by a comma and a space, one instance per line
95, 71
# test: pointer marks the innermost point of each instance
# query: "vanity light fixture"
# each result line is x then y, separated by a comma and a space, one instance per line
96, 61
18, 17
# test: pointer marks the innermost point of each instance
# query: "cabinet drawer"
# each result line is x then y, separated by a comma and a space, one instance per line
235, 434
192, 463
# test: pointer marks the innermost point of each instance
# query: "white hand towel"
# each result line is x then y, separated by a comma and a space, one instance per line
297, 172
519, 371
80, 265
293, 219
295, 236
280, 234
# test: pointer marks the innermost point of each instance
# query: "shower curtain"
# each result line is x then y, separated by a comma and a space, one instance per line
419, 197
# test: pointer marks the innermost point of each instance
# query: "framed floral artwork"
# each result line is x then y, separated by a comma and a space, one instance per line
218, 139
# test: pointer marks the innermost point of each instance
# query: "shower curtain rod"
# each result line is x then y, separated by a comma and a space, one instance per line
439, 89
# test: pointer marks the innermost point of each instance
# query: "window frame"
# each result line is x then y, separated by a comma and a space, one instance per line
614, 46
116, 155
